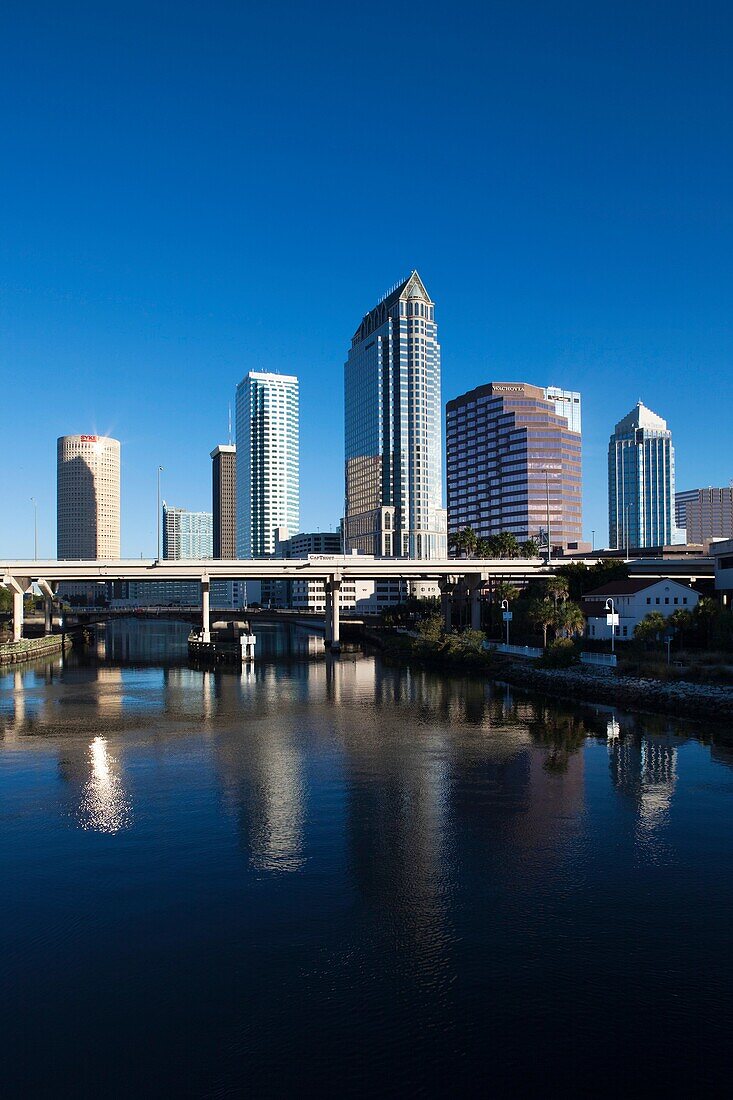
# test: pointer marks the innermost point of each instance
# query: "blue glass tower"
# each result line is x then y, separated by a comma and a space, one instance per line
641, 487
393, 430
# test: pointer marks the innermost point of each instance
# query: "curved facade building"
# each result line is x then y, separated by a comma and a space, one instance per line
88, 497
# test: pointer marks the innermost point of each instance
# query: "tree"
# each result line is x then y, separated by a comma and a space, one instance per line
705, 613
569, 619
557, 589
506, 545
541, 613
484, 548
530, 548
650, 627
430, 628
682, 621
464, 542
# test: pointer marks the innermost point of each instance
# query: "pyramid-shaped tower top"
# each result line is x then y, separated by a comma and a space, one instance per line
411, 287
641, 417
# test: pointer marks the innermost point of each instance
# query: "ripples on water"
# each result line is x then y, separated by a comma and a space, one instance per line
330, 874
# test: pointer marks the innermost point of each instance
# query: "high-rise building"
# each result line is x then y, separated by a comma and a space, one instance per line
511, 459
567, 403
705, 513
393, 430
268, 480
641, 482
186, 534
88, 497
224, 500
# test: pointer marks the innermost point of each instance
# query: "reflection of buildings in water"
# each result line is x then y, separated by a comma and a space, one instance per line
154, 641
95, 775
262, 768
644, 769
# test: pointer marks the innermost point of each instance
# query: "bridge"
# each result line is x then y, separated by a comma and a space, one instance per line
332, 569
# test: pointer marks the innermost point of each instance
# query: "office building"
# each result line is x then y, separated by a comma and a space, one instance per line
393, 430
567, 403
267, 466
224, 500
512, 459
88, 497
186, 534
306, 543
641, 482
705, 513
225, 594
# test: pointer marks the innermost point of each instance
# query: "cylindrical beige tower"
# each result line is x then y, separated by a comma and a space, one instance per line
88, 497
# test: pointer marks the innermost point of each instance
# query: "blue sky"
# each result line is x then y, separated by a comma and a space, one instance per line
189, 191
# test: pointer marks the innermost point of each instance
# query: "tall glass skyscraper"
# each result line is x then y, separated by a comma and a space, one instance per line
186, 534
393, 430
268, 468
641, 481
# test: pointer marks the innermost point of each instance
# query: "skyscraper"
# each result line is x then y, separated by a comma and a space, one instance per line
186, 534
705, 513
567, 404
393, 429
511, 458
641, 481
268, 480
88, 497
224, 500
227, 594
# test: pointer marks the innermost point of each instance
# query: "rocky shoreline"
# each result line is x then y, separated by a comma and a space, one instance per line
587, 684
679, 698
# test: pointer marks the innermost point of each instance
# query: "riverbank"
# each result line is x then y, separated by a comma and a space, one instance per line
680, 698
30, 649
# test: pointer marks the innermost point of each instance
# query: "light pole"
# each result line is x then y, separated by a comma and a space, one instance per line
158, 515
628, 532
506, 616
611, 619
34, 502
593, 541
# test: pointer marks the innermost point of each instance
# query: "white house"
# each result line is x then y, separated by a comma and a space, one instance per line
632, 601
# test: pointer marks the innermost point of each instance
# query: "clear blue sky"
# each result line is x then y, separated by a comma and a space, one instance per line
191, 190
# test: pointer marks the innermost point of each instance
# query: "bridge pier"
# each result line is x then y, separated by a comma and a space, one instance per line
333, 605
447, 590
18, 586
205, 610
474, 584
49, 593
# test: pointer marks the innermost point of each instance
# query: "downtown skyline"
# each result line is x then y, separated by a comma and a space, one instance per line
586, 239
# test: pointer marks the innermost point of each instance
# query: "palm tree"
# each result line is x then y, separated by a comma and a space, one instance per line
530, 548
570, 619
541, 612
650, 627
463, 542
682, 621
506, 545
483, 548
557, 589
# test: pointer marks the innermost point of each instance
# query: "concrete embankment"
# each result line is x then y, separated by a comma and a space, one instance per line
30, 649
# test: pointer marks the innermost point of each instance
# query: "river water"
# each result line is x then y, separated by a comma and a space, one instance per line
329, 874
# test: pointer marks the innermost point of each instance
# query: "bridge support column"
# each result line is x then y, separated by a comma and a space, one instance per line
334, 584
49, 592
18, 586
327, 634
447, 588
205, 611
474, 585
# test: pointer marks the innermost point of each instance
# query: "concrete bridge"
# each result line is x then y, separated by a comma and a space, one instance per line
471, 574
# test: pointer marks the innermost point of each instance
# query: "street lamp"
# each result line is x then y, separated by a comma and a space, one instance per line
159, 520
628, 529
611, 620
593, 540
34, 502
506, 616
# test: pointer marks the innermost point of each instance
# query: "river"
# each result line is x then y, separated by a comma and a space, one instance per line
326, 874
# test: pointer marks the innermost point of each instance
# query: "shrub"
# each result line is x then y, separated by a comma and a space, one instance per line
562, 653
